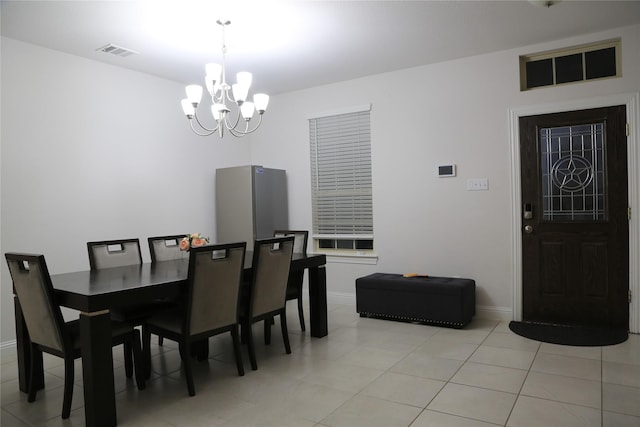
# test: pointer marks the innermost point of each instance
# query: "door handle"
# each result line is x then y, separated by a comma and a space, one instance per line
528, 211
528, 229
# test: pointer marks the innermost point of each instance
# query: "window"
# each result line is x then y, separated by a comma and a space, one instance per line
342, 206
588, 62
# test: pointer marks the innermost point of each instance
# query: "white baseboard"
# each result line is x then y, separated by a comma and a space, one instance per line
504, 314
482, 311
341, 298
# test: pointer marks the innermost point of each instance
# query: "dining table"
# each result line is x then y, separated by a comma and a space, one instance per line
95, 292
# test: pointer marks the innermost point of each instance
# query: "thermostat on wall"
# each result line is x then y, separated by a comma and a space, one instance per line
446, 170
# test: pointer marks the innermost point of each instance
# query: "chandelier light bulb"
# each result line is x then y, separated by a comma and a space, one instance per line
213, 71
187, 108
240, 92
261, 101
211, 84
247, 110
244, 78
216, 111
194, 94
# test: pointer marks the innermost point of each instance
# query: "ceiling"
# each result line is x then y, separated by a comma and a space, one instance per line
294, 44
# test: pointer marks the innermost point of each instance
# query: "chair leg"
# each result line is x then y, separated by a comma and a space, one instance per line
128, 359
285, 331
68, 387
188, 371
31, 387
252, 350
267, 330
146, 351
243, 333
201, 349
236, 349
301, 310
139, 361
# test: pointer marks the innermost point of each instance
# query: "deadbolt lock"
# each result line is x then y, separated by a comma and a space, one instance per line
528, 211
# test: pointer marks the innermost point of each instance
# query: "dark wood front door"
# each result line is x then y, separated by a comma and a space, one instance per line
575, 230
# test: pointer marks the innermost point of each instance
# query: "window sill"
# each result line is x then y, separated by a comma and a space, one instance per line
351, 258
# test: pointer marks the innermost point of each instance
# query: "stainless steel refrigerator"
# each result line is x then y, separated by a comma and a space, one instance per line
251, 202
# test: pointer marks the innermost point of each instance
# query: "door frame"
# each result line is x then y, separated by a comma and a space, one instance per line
632, 102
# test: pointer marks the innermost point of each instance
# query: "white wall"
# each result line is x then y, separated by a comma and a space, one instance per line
456, 112
96, 152
91, 151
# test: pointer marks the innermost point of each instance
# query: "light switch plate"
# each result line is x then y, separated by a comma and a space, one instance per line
477, 184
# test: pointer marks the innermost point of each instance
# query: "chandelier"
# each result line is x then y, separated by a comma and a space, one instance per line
222, 94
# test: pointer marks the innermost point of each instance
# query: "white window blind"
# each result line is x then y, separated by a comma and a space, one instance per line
341, 176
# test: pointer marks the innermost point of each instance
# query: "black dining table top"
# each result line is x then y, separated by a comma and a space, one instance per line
94, 290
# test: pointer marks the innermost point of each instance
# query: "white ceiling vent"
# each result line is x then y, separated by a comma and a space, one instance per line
116, 50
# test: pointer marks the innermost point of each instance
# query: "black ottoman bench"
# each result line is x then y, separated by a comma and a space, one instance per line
443, 301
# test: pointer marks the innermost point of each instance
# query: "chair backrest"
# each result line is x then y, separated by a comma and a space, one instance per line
114, 253
271, 264
32, 285
300, 239
215, 276
166, 248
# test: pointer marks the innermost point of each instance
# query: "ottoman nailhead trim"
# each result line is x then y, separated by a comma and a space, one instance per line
413, 319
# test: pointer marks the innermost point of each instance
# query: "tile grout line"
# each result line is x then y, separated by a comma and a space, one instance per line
447, 382
452, 375
518, 394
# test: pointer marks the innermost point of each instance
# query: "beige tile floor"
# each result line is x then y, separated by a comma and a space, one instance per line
367, 372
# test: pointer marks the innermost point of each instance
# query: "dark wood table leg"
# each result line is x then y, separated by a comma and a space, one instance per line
318, 301
97, 369
23, 346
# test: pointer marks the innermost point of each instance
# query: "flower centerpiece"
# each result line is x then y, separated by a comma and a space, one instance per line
193, 240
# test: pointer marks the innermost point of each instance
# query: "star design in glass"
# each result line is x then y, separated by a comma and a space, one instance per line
572, 173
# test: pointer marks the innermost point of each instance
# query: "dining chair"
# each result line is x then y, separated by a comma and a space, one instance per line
267, 296
49, 333
166, 248
114, 253
118, 253
296, 278
213, 293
